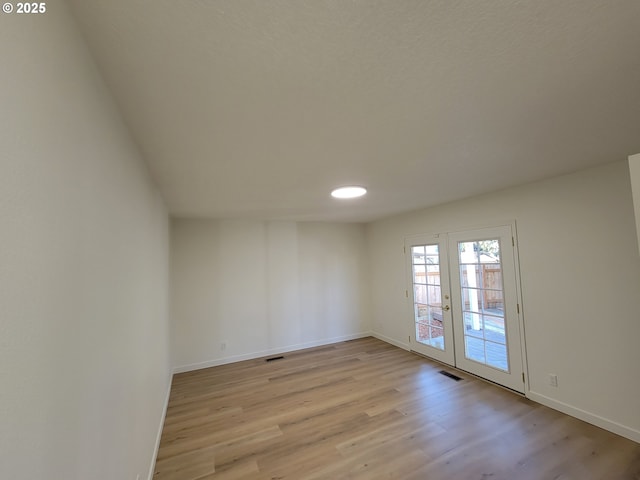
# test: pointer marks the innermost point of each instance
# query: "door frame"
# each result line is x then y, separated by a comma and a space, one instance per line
428, 351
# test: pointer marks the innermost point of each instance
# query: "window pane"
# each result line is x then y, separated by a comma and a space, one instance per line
492, 276
421, 312
494, 302
435, 315
472, 299
417, 254
481, 251
419, 274
433, 279
467, 252
474, 349
473, 325
470, 276
432, 249
420, 294
494, 329
433, 260
497, 355
437, 337
489, 251
433, 274
430, 335
422, 332
435, 297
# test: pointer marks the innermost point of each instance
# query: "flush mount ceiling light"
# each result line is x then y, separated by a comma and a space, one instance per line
350, 191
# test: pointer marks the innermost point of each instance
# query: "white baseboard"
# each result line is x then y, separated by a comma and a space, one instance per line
263, 353
588, 417
159, 435
384, 338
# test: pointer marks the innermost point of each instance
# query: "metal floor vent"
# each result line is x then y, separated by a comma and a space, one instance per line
450, 375
274, 358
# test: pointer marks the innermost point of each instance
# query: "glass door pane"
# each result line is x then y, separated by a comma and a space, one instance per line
482, 302
427, 295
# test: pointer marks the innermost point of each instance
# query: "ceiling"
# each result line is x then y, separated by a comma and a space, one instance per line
258, 108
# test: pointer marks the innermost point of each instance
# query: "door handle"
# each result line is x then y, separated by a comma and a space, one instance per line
446, 308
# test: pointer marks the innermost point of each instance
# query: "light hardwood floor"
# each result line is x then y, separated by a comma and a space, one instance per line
365, 409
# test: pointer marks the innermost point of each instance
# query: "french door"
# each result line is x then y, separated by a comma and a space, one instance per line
464, 302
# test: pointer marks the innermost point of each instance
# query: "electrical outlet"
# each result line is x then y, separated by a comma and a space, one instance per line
553, 379
223, 345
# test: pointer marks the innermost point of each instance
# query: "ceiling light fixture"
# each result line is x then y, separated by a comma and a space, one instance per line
350, 191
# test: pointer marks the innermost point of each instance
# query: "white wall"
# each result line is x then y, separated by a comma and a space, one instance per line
264, 287
634, 168
84, 252
580, 274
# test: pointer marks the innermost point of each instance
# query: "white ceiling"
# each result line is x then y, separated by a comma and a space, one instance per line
258, 108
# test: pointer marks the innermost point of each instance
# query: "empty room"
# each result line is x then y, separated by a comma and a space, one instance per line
320, 239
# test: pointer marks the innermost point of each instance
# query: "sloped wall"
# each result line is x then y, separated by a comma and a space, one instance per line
84, 249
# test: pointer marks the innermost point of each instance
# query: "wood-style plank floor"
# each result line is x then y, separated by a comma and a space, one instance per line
365, 409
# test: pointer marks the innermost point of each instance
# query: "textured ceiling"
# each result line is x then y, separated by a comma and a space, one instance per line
257, 109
